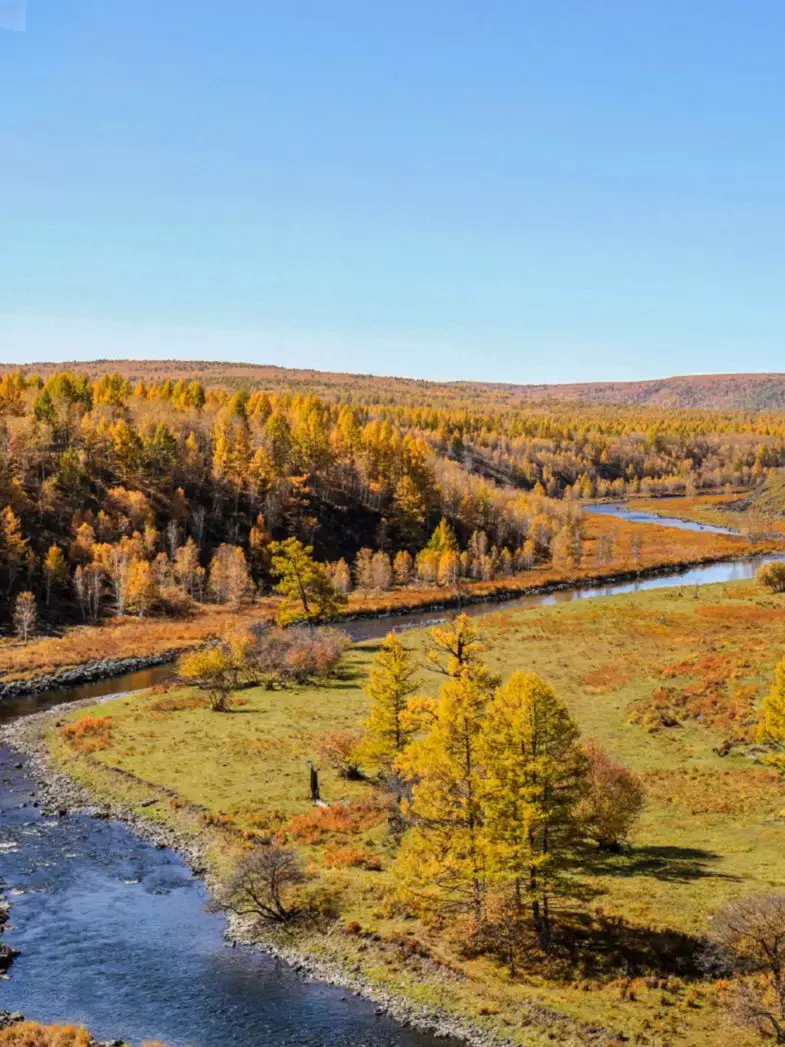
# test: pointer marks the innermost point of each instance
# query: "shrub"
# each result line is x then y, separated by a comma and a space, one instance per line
355, 857
219, 667
88, 734
174, 603
339, 750
265, 884
346, 818
613, 800
772, 576
296, 655
747, 938
175, 703
31, 1034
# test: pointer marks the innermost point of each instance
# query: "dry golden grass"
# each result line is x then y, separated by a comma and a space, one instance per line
31, 1034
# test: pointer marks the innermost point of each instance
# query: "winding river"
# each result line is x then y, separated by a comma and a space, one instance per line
114, 933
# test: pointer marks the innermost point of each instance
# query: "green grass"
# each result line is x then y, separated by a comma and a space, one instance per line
713, 827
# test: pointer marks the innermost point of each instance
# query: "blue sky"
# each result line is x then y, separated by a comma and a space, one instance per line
524, 191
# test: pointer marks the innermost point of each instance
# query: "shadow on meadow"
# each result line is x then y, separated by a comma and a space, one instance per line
610, 946
669, 864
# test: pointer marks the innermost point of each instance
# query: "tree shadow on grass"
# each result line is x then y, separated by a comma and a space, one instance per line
607, 946
346, 677
601, 946
669, 864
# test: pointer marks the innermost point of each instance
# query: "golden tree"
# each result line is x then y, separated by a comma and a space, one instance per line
772, 725
230, 579
456, 646
442, 861
55, 570
389, 728
216, 669
534, 779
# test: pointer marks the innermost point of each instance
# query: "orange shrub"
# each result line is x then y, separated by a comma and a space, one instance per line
346, 818
88, 734
31, 1034
357, 857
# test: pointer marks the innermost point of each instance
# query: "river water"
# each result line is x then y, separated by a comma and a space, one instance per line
114, 933
624, 512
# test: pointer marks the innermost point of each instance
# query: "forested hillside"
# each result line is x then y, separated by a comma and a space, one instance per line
143, 494
719, 392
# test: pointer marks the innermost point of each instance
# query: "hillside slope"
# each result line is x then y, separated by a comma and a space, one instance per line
747, 392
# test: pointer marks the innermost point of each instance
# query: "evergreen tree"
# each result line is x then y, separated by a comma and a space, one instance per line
308, 592
442, 862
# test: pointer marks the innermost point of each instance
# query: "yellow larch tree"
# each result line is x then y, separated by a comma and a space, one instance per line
534, 779
442, 862
389, 727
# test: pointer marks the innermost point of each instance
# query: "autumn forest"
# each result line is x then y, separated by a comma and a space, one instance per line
557, 819
140, 498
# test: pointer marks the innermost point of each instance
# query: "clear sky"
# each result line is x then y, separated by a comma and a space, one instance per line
525, 191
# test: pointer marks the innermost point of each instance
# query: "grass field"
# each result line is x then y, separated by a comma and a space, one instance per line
714, 826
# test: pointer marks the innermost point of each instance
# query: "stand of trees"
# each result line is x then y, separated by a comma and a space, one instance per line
499, 798
121, 498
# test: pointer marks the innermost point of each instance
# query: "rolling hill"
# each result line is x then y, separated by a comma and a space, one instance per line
747, 392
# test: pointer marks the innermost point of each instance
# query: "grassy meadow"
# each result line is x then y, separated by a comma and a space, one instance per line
660, 679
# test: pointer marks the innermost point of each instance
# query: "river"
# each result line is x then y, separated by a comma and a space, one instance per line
114, 933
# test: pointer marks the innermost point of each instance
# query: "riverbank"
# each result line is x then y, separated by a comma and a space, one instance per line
90, 672
7, 954
60, 794
89, 653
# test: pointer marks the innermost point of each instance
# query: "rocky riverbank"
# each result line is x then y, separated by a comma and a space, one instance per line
78, 675
60, 795
7, 954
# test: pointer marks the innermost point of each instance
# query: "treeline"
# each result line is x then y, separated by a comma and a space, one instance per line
120, 496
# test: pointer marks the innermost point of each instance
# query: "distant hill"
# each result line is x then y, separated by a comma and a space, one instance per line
749, 392
727, 392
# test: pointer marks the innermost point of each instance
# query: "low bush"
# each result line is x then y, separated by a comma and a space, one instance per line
176, 703
266, 885
296, 655
613, 801
88, 734
31, 1034
354, 857
340, 818
771, 576
339, 750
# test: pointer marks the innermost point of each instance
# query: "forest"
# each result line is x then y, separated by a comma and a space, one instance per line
147, 497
